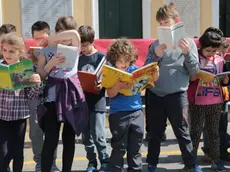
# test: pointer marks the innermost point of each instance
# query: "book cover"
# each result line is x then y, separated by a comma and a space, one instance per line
207, 76
70, 53
16, 76
139, 79
171, 35
89, 80
34, 53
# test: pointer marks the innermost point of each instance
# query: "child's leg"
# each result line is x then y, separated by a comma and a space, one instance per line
156, 120
212, 121
68, 139
176, 106
4, 137
135, 138
18, 133
97, 128
51, 131
119, 124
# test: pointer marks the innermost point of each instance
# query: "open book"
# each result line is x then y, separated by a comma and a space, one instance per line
34, 53
171, 35
70, 53
139, 79
89, 80
208, 76
16, 76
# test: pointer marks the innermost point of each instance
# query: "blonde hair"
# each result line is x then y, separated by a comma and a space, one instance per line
121, 47
16, 42
167, 11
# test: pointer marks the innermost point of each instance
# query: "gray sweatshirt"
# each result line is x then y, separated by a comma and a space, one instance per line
175, 69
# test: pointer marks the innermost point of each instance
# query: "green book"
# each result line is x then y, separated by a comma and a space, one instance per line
16, 76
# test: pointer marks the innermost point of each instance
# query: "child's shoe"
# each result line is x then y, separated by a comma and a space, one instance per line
196, 169
92, 167
152, 168
218, 166
104, 167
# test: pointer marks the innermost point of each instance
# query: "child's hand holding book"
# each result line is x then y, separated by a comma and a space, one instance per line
36, 79
184, 46
56, 60
123, 85
159, 50
226, 79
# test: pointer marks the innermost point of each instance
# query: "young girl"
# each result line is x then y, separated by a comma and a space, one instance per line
14, 108
126, 120
208, 98
64, 99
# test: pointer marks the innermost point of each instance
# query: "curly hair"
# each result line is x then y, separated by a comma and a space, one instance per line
121, 47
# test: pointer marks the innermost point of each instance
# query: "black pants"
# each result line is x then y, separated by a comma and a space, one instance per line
127, 130
12, 136
175, 108
51, 131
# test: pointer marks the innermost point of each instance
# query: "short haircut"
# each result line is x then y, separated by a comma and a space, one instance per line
86, 33
65, 23
7, 28
39, 26
212, 37
167, 11
121, 47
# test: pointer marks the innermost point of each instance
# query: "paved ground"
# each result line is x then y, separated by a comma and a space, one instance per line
170, 159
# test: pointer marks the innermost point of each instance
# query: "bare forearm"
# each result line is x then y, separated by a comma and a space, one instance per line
112, 92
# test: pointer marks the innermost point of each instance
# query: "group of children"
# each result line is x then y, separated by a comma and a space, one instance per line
58, 98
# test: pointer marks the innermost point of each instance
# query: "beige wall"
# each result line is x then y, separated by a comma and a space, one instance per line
11, 12
205, 15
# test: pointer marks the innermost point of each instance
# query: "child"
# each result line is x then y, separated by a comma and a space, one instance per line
64, 99
40, 31
168, 99
208, 99
14, 108
126, 119
94, 135
223, 125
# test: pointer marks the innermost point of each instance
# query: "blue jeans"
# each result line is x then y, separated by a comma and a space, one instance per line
94, 138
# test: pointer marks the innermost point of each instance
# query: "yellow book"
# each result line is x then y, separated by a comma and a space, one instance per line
209, 77
139, 79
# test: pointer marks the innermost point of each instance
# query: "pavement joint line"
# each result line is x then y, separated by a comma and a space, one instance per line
144, 154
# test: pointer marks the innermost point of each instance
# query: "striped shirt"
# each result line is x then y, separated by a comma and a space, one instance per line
14, 104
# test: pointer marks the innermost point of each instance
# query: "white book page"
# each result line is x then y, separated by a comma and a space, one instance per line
165, 36
71, 54
178, 32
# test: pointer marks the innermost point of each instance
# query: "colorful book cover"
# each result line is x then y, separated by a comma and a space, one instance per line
34, 53
139, 79
16, 76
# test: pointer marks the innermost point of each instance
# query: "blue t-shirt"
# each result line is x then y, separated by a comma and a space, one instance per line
126, 103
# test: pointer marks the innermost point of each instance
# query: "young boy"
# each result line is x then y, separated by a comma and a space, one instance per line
40, 31
93, 136
168, 99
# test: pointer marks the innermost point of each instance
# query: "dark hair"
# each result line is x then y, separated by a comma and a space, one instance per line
121, 47
7, 28
167, 11
65, 23
87, 34
212, 37
39, 26
225, 43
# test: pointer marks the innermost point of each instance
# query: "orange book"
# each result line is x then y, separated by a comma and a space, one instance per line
34, 53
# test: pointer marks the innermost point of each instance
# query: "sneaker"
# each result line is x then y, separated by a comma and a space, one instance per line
91, 167
8, 169
152, 168
38, 167
55, 168
196, 169
104, 167
218, 166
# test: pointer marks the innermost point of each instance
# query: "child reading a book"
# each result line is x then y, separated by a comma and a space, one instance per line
168, 99
40, 31
64, 99
14, 109
126, 119
208, 99
94, 135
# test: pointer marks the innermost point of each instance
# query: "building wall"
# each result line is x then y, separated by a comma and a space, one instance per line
11, 13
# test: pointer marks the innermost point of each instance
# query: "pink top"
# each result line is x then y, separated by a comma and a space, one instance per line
210, 93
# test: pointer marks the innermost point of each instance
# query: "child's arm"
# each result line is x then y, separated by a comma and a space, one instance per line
35, 91
152, 56
112, 92
191, 61
72, 35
